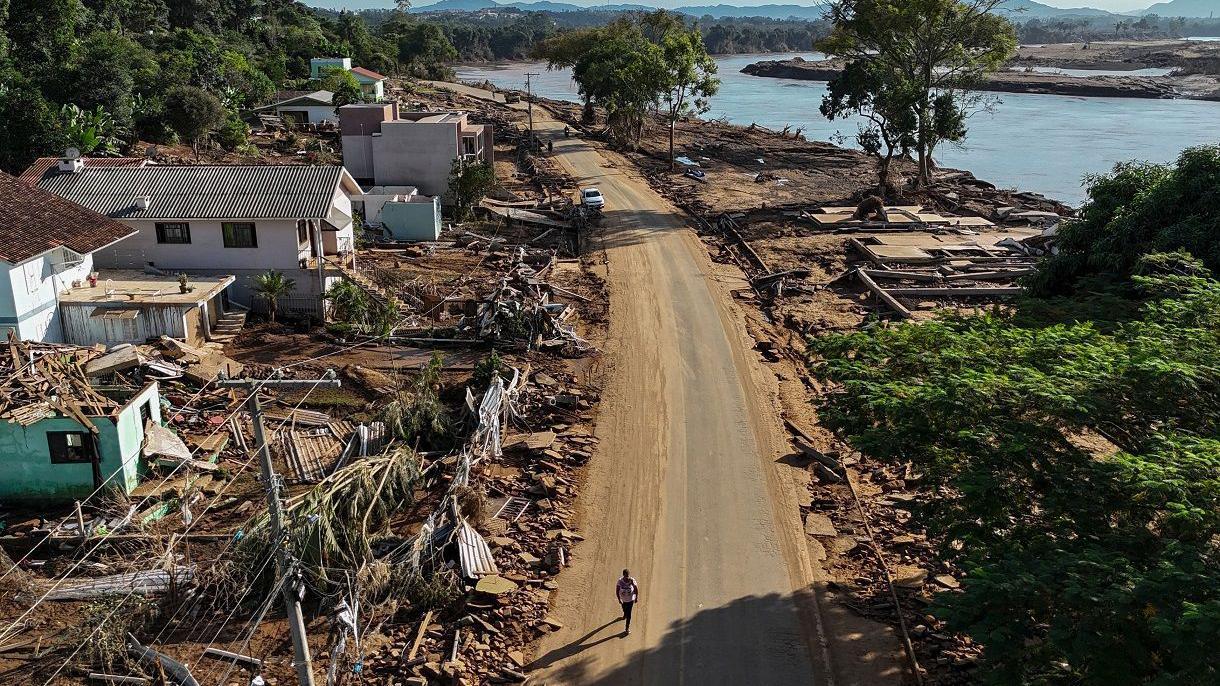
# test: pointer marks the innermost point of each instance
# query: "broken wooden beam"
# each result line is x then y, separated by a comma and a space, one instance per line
996, 291
884, 296
117, 679
233, 658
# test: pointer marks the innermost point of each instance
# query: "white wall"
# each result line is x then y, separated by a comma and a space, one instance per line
32, 289
277, 248
317, 113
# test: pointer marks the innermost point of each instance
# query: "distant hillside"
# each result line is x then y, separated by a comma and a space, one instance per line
1017, 10
1021, 10
1202, 9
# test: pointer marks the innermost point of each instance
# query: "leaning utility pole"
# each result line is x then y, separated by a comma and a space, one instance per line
529, 104
275, 507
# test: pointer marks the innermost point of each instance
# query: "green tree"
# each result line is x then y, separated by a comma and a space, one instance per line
939, 48
468, 183
424, 49
193, 113
689, 76
233, 133
90, 131
344, 85
1073, 476
887, 107
624, 73
31, 126
563, 51
273, 285
1136, 209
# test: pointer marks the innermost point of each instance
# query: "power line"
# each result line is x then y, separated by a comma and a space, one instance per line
275, 508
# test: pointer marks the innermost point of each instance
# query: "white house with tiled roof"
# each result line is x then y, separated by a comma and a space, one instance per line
46, 245
213, 220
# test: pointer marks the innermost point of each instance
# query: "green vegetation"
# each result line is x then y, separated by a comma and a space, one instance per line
888, 107
272, 286
925, 55
416, 413
634, 66
468, 183
1140, 208
1075, 464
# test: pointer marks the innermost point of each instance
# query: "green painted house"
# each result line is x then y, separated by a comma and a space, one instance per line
47, 455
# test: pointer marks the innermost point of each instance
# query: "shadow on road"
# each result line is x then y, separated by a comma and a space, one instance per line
754, 640
576, 647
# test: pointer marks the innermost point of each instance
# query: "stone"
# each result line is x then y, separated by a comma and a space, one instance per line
907, 576
947, 581
494, 584
843, 545
819, 525
817, 551
528, 558
517, 657
553, 623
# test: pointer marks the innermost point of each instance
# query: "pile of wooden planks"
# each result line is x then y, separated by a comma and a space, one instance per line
42, 380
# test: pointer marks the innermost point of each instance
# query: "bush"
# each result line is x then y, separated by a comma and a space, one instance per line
233, 134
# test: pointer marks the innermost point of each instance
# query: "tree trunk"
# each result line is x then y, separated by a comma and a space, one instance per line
883, 175
673, 124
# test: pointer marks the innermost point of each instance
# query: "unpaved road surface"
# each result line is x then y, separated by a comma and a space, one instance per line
685, 491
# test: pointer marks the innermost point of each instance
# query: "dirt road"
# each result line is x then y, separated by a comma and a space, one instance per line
685, 491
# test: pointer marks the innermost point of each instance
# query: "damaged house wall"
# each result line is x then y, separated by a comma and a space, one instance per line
25, 453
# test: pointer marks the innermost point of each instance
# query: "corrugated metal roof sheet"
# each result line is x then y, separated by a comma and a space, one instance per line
202, 192
473, 553
42, 165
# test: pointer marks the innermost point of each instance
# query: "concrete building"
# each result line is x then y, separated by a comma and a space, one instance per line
303, 107
126, 306
318, 66
47, 244
385, 147
48, 455
371, 83
402, 212
225, 220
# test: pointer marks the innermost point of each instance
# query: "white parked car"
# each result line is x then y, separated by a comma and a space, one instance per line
591, 197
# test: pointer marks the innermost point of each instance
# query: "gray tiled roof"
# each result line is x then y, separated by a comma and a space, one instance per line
201, 192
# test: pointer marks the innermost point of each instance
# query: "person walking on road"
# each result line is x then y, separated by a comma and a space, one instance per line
627, 592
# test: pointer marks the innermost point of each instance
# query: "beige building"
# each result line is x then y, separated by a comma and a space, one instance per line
385, 147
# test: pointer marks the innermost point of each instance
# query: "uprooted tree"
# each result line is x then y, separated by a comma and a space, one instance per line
934, 50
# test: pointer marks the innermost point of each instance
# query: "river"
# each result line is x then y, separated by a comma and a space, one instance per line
1041, 143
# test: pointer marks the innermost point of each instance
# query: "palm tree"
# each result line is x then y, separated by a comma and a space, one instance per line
272, 285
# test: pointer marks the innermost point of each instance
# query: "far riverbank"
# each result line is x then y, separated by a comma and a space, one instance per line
1041, 143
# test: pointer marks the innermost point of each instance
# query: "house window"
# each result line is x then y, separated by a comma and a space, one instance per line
71, 447
302, 233
145, 413
239, 235
173, 232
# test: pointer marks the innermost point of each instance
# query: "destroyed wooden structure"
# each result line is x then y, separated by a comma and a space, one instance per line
962, 272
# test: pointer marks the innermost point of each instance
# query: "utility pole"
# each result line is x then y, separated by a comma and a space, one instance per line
275, 507
529, 104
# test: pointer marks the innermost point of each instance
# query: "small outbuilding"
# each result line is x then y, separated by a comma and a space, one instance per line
63, 437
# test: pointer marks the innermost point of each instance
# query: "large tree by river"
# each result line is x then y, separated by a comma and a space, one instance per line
937, 49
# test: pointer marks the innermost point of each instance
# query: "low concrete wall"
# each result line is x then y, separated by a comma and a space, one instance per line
418, 220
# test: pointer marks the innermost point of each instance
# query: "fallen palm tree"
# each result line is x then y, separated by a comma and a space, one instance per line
333, 525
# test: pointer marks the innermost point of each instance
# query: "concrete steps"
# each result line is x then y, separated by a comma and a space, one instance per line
228, 326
